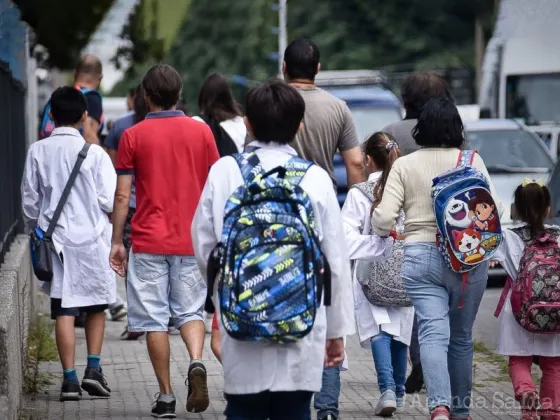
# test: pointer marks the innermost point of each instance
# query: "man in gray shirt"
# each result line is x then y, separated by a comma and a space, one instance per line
416, 91
327, 128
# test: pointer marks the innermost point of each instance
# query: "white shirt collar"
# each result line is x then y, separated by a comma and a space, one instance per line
375, 176
286, 148
65, 131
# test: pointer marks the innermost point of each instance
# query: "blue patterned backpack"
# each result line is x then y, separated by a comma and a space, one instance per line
469, 229
271, 271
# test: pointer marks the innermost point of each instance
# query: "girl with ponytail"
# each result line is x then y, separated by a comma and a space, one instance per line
383, 312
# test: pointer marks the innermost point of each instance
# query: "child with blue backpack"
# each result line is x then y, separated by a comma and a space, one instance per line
530, 319
267, 236
384, 314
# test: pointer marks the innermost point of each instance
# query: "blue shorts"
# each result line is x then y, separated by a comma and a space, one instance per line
161, 288
57, 309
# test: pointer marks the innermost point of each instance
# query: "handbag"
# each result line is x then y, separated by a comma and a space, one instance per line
40, 241
382, 281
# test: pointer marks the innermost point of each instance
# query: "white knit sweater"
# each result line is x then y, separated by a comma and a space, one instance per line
408, 187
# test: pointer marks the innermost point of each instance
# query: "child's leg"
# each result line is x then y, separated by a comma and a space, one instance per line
66, 341
520, 373
95, 328
399, 352
550, 387
381, 350
523, 385
215, 344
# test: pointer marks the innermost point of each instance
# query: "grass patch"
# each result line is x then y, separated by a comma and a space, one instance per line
41, 347
498, 362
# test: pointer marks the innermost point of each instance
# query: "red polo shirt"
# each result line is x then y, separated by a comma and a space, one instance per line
170, 155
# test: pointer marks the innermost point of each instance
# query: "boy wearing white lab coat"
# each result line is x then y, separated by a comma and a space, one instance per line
261, 379
82, 278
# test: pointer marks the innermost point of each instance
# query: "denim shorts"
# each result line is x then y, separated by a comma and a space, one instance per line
57, 309
163, 288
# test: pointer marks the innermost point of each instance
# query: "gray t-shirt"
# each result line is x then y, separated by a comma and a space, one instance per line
402, 132
327, 127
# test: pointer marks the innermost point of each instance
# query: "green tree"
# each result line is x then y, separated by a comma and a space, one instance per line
233, 38
143, 47
63, 26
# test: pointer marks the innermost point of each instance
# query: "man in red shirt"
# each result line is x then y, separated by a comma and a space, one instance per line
169, 156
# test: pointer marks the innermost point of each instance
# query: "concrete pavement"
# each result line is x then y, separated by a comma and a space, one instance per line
129, 373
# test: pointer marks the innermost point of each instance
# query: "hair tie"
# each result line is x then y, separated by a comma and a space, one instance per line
528, 181
391, 145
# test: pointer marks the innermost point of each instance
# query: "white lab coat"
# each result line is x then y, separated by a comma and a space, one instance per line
82, 236
513, 339
255, 367
371, 319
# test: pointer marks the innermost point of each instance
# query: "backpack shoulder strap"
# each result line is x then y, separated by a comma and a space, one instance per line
296, 168
66, 192
365, 189
249, 165
466, 158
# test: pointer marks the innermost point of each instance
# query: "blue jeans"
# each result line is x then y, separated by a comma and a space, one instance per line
269, 405
326, 401
444, 329
390, 359
163, 288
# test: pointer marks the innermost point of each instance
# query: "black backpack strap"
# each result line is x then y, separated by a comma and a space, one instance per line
67, 188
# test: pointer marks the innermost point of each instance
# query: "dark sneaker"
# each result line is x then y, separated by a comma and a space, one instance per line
118, 312
197, 397
130, 335
94, 383
415, 380
70, 391
163, 409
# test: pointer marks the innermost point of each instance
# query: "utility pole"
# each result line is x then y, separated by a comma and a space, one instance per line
282, 32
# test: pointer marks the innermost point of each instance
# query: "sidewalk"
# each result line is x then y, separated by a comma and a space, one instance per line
132, 380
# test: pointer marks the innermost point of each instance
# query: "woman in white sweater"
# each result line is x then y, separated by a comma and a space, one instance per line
445, 330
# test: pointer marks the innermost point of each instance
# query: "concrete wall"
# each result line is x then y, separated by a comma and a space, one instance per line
16, 308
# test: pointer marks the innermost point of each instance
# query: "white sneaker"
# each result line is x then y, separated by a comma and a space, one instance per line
400, 402
118, 312
387, 404
208, 322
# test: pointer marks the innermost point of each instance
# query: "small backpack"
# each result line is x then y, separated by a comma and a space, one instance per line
535, 295
47, 124
382, 281
469, 229
271, 271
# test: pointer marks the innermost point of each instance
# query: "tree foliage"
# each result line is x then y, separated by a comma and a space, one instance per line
233, 38
64, 27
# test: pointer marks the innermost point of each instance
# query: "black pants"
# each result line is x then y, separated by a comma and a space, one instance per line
414, 349
294, 405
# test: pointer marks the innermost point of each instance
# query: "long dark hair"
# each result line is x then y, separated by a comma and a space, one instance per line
216, 101
140, 105
531, 206
383, 149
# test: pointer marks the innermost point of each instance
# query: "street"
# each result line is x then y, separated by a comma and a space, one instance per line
486, 326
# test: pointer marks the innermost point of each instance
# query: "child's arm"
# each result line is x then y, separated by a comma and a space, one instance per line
202, 228
362, 246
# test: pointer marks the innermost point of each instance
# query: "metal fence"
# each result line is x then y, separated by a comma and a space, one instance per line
12, 155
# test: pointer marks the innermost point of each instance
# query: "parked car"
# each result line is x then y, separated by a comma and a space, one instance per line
371, 102
511, 153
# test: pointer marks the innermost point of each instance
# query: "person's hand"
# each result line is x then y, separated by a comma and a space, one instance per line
334, 355
118, 259
493, 263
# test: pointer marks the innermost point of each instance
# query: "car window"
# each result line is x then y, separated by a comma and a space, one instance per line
368, 120
554, 187
510, 148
